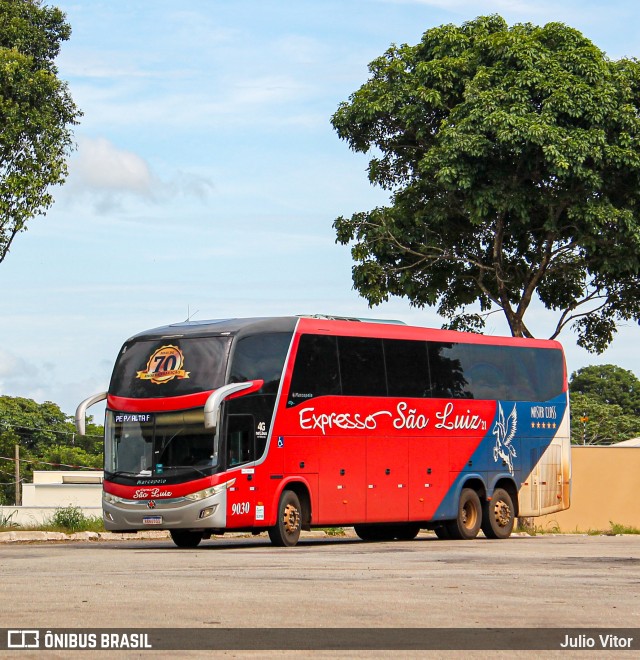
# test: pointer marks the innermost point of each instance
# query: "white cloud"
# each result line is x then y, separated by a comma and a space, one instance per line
109, 175
102, 166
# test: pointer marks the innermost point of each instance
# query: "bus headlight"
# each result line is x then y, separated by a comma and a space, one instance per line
111, 499
208, 492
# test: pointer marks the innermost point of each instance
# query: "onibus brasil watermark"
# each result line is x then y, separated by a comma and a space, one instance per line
563, 639
38, 639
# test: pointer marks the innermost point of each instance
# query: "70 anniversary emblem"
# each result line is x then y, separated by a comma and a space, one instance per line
164, 365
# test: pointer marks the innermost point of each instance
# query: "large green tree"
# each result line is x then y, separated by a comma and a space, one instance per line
609, 384
512, 159
594, 422
605, 404
36, 113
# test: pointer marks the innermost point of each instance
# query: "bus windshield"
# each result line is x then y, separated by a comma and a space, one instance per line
170, 366
171, 446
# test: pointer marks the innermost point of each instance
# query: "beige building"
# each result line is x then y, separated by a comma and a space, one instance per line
605, 484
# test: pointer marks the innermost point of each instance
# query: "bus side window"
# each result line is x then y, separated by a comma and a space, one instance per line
240, 439
260, 357
316, 371
446, 366
362, 370
407, 368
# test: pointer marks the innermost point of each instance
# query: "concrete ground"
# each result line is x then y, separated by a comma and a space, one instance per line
542, 582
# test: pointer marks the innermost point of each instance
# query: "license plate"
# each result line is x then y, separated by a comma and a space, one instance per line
152, 520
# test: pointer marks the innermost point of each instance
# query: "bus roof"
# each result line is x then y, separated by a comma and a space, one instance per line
344, 326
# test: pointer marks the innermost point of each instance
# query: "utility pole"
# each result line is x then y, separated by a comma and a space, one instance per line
584, 419
17, 474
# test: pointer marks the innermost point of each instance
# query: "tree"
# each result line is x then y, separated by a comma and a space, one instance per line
47, 439
594, 422
605, 404
512, 159
609, 384
36, 113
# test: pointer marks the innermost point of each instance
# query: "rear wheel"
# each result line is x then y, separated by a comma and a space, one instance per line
183, 538
286, 531
498, 515
467, 524
442, 533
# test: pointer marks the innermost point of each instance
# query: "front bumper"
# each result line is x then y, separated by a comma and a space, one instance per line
173, 513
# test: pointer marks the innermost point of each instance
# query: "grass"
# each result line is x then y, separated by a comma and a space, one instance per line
614, 530
333, 531
69, 519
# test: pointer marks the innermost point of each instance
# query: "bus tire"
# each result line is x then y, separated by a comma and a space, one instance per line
467, 524
406, 532
183, 538
498, 515
368, 532
286, 532
442, 533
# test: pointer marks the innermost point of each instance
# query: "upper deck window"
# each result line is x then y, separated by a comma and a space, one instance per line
173, 366
358, 366
260, 357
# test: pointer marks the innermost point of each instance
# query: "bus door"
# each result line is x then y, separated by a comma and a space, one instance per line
239, 448
543, 490
342, 487
429, 476
387, 479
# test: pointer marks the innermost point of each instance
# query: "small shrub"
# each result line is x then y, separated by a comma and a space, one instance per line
72, 519
69, 517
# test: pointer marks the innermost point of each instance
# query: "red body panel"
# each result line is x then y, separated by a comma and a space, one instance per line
361, 459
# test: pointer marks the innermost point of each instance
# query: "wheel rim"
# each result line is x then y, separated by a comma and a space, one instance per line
469, 515
291, 519
502, 514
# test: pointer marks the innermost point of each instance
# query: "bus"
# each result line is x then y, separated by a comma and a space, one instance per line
284, 424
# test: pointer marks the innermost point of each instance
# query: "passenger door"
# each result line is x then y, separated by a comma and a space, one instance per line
240, 464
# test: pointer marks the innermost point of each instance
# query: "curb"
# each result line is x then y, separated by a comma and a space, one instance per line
32, 536
35, 535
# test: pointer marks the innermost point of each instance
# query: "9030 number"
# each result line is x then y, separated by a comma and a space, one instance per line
240, 508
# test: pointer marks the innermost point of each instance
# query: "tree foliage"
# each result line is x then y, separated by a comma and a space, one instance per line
610, 384
36, 113
608, 397
512, 159
47, 439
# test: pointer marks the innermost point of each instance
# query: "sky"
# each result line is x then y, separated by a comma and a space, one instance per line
207, 175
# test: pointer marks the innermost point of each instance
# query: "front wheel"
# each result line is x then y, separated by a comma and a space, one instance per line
183, 538
286, 531
498, 515
467, 524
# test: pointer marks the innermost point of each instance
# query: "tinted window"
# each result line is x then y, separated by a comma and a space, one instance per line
399, 368
407, 368
170, 367
316, 371
362, 366
447, 369
240, 436
512, 373
260, 357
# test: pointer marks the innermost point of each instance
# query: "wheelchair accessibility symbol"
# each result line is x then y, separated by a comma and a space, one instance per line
280, 442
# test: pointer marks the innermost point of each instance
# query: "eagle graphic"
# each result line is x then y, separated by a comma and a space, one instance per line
505, 431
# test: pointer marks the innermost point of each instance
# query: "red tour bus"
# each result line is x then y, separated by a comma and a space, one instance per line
284, 424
